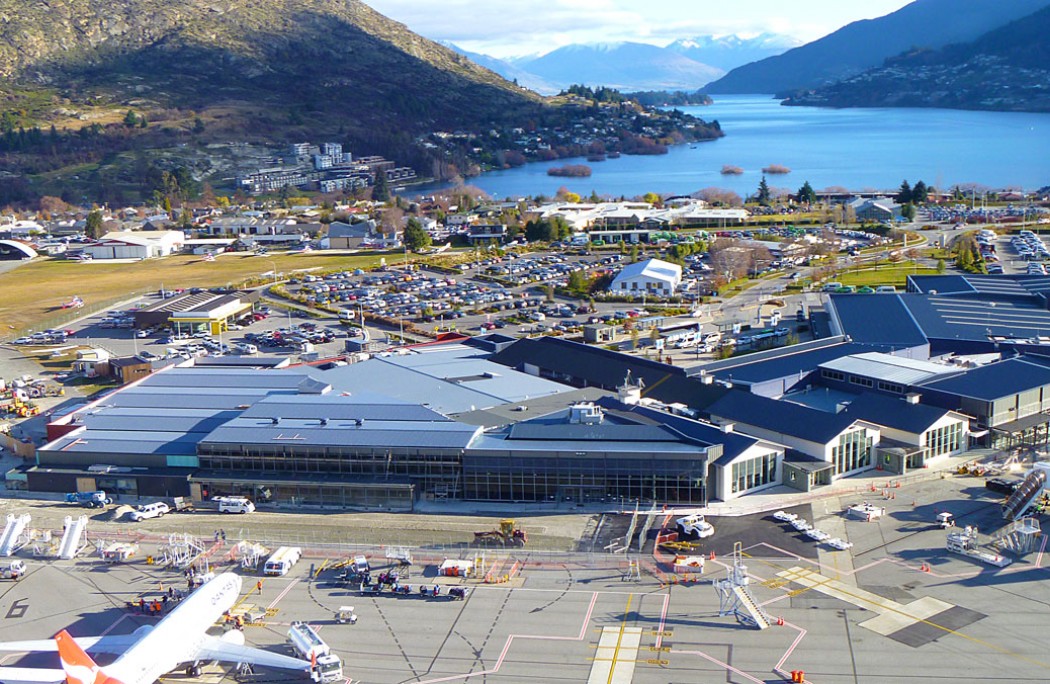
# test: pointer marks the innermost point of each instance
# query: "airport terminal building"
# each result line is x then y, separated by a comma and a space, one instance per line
896, 382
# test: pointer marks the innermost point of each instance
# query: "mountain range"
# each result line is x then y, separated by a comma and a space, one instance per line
686, 64
865, 44
1007, 68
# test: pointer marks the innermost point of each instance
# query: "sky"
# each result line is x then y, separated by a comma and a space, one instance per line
509, 28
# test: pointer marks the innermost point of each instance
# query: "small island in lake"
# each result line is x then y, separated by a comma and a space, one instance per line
570, 171
730, 170
776, 169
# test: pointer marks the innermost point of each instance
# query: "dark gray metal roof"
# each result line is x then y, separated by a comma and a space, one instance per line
877, 319
895, 413
783, 417
997, 380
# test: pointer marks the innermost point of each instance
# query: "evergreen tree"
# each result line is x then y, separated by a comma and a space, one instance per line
130, 120
806, 194
904, 195
381, 189
416, 238
920, 193
763, 191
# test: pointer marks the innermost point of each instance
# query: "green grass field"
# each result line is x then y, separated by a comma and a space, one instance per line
885, 275
33, 294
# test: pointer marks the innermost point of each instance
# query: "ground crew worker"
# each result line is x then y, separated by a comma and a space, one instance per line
258, 586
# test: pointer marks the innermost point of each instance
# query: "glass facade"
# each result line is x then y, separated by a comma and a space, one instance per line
942, 440
754, 472
583, 477
853, 451
433, 472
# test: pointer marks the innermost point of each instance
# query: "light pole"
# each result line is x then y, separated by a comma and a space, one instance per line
274, 264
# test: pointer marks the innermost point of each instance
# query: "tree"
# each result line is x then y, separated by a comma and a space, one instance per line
130, 120
198, 125
920, 194
93, 225
416, 238
904, 195
763, 191
652, 198
381, 189
806, 194
577, 284
908, 211
940, 265
634, 253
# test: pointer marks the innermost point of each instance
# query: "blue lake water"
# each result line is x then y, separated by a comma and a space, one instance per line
854, 148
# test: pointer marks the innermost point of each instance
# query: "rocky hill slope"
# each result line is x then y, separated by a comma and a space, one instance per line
866, 44
315, 59
1005, 69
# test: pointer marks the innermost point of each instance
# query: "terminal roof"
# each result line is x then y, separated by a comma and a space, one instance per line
996, 380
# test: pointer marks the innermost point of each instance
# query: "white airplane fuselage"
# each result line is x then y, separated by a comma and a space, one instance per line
177, 638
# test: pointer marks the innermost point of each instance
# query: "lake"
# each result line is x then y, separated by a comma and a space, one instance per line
854, 148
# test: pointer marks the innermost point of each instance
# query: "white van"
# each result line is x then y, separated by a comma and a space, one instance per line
234, 504
147, 511
246, 348
886, 289
282, 560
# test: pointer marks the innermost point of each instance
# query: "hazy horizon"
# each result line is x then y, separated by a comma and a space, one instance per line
528, 27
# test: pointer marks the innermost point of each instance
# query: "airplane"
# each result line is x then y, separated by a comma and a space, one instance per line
151, 651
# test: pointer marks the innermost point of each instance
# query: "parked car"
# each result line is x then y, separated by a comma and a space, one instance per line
1002, 485
147, 511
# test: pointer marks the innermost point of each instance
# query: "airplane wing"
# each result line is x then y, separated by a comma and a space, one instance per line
31, 675
117, 643
215, 648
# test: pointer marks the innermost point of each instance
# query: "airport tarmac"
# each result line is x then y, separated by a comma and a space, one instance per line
870, 614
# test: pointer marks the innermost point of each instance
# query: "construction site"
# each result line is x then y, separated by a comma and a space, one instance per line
938, 577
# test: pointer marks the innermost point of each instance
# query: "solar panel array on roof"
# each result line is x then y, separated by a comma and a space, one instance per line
957, 318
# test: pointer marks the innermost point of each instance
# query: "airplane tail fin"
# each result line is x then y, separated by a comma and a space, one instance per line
78, 665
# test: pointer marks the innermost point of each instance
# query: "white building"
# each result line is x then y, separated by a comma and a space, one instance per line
138, 245
652, 277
